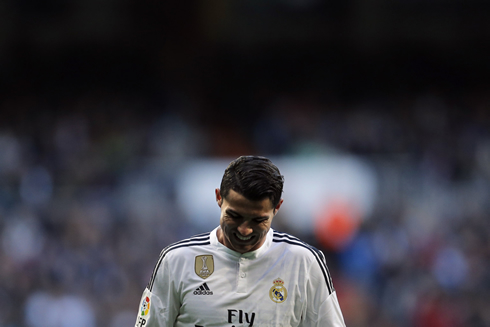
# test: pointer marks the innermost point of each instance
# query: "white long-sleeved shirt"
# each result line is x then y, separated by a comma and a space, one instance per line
198, 282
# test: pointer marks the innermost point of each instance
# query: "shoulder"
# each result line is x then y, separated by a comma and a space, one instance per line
306, 252
186, 246
179, 252
196, 241
296, 245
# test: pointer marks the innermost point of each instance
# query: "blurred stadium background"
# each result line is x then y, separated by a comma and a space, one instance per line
116, 114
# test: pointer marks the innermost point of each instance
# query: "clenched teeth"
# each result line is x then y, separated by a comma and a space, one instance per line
243, 238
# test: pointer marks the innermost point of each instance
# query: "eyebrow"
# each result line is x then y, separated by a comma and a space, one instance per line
233, 212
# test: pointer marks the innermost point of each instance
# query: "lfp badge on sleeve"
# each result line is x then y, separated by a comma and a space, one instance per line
204, 266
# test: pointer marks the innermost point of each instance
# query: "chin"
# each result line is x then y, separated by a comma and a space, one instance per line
244, 249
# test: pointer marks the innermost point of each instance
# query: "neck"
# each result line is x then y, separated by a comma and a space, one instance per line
219, 235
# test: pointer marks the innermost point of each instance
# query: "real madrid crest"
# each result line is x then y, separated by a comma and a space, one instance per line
278, 293
204, 266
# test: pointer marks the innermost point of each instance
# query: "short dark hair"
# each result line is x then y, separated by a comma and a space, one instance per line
254, 177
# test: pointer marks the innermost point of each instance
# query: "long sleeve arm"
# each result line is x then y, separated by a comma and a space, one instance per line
159, 305
322, 308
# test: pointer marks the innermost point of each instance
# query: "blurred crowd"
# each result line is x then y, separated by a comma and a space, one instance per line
87, 189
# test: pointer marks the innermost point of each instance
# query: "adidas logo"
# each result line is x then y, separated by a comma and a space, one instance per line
203, 290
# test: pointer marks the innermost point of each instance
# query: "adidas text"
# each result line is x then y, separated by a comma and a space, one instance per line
203, 290
196, 292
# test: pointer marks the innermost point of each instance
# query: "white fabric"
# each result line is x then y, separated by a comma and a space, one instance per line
239, 292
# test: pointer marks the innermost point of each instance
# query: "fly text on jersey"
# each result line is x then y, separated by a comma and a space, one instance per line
238, 317
235, 316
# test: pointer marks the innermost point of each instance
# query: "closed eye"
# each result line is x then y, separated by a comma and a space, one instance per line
232, 214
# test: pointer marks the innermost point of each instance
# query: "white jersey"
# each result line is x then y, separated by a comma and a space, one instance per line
198, 282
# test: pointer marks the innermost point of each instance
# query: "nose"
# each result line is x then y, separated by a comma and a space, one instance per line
244, 229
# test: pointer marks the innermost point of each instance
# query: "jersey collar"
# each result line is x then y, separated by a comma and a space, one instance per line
250, 255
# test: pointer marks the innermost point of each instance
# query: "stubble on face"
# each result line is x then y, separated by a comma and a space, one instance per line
244, 223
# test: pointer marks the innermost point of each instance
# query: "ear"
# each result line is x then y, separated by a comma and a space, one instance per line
278, 206
218, 197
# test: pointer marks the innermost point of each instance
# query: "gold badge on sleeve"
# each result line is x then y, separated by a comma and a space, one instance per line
204, 266
278, 293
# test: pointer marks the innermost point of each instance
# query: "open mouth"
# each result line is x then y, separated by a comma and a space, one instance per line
244, 238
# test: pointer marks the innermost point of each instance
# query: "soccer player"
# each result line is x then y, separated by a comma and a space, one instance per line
243, 273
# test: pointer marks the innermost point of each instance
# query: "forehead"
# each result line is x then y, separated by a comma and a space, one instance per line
241, 204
